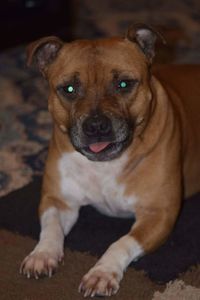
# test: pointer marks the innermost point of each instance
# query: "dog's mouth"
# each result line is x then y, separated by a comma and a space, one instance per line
100, 138
104, 151
98, 147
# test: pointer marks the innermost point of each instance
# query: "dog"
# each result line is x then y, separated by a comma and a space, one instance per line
125, 140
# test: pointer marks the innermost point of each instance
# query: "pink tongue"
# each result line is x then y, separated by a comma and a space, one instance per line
98, 146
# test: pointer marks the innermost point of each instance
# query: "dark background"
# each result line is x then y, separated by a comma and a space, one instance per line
24, 20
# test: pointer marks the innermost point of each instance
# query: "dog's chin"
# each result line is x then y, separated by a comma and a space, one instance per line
111, 151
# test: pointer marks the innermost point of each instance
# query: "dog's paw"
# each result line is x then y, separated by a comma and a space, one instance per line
99, 282
40, 263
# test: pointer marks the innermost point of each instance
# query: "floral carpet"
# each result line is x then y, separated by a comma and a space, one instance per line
25, 124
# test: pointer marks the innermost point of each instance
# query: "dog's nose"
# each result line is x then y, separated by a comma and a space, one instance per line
97, 125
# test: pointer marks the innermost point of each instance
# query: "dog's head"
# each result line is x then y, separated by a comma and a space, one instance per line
100, 92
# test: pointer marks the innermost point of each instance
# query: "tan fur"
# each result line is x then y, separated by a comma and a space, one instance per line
50, 190
160, 166
158, 191
182, 83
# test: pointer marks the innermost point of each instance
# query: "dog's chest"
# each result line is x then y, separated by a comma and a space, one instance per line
85, 182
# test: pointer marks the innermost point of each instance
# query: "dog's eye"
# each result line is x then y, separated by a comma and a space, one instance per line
122, 84
126, 85
69, 89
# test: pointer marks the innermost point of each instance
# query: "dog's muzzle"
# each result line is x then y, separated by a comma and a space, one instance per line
100, 137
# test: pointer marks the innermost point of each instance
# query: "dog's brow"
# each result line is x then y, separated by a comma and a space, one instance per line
75, 77
117, 73
123, 74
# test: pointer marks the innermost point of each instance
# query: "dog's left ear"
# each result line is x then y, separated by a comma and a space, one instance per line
43, 52
145, 37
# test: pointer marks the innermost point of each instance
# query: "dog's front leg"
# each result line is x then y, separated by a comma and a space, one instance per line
148, 232
103, 279
48, 253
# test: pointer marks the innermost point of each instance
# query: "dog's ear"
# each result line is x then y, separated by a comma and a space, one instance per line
145, 36
43, 52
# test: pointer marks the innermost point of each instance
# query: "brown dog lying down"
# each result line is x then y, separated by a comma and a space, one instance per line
123, 141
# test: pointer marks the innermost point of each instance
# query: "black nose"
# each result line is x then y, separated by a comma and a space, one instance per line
97, 125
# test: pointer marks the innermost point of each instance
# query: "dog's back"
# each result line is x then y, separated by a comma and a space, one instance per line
184, 80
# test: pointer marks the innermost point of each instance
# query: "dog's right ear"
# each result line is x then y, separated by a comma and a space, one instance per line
145, 37
43, 52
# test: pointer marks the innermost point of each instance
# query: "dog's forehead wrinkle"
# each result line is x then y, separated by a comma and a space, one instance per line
96, 62
70, 78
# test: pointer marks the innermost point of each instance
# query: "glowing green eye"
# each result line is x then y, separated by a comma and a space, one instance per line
126, 85
123, 84
70, 89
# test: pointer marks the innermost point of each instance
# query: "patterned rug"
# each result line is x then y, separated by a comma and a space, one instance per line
64, 284
25, 129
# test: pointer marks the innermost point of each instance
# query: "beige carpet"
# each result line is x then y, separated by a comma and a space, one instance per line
63, 285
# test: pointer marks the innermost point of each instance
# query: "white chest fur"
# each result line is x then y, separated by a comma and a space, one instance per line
85, 182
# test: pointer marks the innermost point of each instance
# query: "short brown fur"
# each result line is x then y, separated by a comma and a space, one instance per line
163, 155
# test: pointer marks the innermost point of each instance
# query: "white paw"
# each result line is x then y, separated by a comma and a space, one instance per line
40, 263
99, 282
